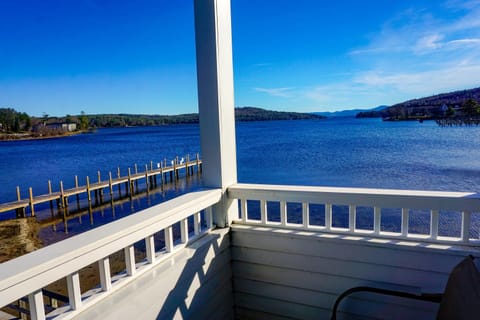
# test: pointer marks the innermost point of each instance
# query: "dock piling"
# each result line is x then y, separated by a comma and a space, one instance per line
32, 209
78, 196
63, 198
136, 180
119, 185
100, 191
130, 183
88, 191
161, 174
110, 185
147, 183
198, 163
20, 212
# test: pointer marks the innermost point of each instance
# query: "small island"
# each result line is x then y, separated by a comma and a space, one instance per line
19, 125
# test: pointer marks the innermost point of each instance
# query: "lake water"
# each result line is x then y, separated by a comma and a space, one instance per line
360, 153
334, 152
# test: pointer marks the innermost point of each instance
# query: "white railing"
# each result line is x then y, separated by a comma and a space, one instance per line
27, 275
407, 203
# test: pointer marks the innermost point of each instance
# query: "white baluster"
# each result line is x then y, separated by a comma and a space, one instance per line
243, 209
466, 223
263, 211
283, 213
130, 260
209, 217
150, 248
352, 215
184, 230
434, 220
74, 292
104, 272
305, 215
196, 223
168, 239
328, 216
404, 227
377, 213
37, 309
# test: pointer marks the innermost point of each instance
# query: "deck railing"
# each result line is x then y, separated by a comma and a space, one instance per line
29, 274
290, 207
445, 217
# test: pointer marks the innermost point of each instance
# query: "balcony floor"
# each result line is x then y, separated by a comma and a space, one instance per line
193, 283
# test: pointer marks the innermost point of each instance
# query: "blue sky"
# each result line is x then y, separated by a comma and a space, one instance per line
99, 56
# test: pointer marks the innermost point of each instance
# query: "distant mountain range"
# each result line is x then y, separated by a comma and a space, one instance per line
348, 113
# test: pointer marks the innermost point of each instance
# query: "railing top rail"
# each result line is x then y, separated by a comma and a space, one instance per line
387, 198
43, 266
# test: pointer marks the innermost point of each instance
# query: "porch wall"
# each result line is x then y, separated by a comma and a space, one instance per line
296, 274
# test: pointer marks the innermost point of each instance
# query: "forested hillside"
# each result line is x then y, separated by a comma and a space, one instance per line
463, 104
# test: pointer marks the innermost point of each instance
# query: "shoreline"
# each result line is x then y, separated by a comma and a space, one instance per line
26, 136
18, 237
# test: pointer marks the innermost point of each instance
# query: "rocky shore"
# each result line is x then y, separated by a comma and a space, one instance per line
18, 237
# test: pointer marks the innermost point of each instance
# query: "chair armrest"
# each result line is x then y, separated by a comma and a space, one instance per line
431, 297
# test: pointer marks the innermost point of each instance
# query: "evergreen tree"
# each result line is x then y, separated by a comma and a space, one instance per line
471, 108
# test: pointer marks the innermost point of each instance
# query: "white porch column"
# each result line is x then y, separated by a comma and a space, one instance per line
213, 39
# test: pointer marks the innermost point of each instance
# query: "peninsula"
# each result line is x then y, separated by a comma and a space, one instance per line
17, 125
456, 107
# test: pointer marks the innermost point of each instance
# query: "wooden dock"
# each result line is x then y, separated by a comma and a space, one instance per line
150, 175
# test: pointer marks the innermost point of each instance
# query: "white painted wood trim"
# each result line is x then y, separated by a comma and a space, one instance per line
184, 230
196, 223
209, 217
383, 198
243, 209
375, 198
377, 217
352, 214
150, 248
328, 216
105, 275
405, 217
42, 267
434, 219
213, 39
263, 211
35, 301
283, 213
168, 239
305, 215
130, 260
74, 292
466, 224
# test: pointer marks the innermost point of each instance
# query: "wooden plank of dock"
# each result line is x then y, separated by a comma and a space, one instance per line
10, 206
62, 195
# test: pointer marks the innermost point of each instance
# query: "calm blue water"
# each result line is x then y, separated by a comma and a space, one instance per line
333, 152
360, 153
32, 163
344, 152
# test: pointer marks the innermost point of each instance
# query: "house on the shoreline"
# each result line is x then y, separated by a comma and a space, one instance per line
56, 126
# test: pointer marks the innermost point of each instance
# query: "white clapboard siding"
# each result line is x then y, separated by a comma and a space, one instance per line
299, 274
194, 283
245, 313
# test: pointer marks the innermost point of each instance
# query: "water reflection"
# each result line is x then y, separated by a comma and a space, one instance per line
60, 222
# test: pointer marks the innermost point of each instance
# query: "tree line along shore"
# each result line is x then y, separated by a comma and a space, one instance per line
19, 125
453, 108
